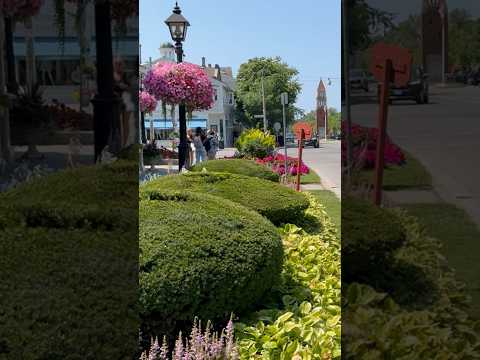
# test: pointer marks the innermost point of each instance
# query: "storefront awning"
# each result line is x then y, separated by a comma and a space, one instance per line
49, 47
162, 124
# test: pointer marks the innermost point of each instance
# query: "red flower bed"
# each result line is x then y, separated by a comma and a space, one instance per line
364, 141
277, 164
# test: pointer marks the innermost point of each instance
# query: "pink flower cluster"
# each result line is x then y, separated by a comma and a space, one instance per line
147, 102
21, 9
364, 141
182, 83
277, 164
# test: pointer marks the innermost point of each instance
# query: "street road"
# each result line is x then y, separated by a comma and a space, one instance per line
325, 161
444, 135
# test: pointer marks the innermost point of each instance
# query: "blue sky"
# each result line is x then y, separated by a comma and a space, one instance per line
304, 33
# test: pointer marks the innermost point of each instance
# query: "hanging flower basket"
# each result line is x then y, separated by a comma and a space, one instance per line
148, 103
182, 83
21, 9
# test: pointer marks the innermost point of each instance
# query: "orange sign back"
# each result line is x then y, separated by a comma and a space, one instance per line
297, 128
401, 60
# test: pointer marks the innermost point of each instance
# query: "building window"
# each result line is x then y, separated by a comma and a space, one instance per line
215, 92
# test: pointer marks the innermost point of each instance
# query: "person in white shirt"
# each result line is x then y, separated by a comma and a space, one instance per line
200, 153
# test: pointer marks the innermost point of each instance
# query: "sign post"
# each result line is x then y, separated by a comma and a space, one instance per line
284, 99
389, 64
382, 130
299, 164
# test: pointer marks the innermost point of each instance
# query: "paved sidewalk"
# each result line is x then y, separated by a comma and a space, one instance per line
227, 152
312, 187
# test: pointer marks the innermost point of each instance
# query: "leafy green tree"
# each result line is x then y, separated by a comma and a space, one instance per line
278, 78
407, 34
334, 122
310, 118
463, 38
364, 21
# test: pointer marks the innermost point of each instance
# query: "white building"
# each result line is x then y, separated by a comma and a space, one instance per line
58, 66
219, 118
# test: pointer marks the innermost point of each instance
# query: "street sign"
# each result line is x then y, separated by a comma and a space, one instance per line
277, 126
284, 98
401, 63
258, 116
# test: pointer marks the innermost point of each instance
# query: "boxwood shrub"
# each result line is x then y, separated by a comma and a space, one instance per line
204, 256
69, 260
369, 234
238, 166
371, 239
276, 202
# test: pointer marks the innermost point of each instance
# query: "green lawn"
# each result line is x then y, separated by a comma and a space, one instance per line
461, 239
409, 176
332, 204
310, 178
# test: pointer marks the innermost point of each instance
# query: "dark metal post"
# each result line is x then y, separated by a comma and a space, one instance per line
182, 114
106, 104
10, 56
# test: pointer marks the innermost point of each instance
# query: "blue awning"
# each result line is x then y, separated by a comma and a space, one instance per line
162, 124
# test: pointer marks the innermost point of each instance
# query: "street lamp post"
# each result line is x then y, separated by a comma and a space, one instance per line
106, 105
10, 55
178, 25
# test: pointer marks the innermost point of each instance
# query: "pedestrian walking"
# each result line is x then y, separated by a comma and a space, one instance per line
190, 150
214, 144
121, 87
198, 139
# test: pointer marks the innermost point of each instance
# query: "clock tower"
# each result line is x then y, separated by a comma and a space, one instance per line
435, 38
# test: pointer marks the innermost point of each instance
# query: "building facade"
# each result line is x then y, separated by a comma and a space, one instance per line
57, 62
220, 117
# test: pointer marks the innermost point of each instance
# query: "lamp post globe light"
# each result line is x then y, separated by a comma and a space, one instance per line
178, 26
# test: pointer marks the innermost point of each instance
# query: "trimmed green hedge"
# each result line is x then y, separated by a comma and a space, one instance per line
369, 233
202, 256
274, 201
93, 186
371, 240
69, 265
238, 166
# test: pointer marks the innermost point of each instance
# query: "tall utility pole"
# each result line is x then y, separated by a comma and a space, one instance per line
265, 122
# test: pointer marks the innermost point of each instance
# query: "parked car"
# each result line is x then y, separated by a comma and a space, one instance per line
460, 75
417, 89
359, 79
472, 78
313, 141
